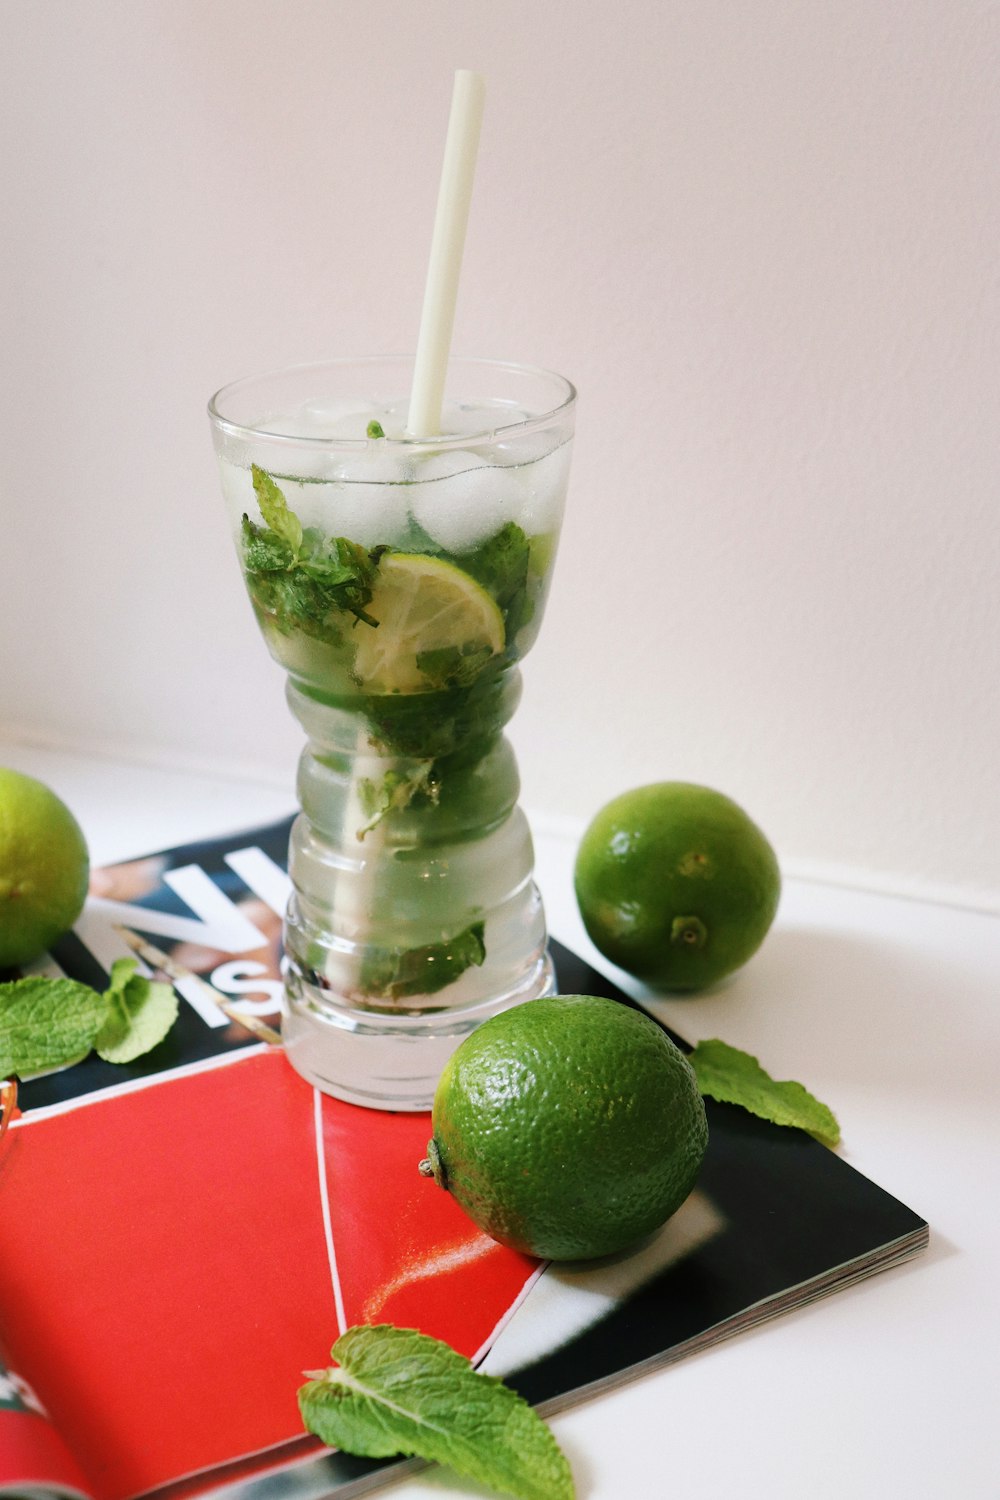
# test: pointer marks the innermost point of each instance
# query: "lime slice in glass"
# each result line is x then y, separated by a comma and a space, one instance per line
421, 604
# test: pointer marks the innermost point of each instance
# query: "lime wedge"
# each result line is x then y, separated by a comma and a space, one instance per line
421, 604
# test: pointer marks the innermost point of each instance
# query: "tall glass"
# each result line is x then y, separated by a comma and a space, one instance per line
399, 581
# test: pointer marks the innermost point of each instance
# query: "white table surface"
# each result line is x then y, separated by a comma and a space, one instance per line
889, 1010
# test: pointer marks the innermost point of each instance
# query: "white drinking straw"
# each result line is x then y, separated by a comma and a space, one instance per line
447, 244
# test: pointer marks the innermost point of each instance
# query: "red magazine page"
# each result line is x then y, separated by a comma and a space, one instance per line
175, 1254
33, 1457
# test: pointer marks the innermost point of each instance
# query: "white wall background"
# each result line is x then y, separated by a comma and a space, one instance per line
760, 236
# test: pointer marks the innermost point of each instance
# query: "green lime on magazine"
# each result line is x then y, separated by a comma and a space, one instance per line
453, 1334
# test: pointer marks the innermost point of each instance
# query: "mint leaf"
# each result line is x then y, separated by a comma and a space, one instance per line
140, 1013
300, 579
263, 550
375, 429
453, 666
393, 973
399, 1392
122, 971
285, 592
450, 721
734, 1077
47, 1023
343, 575
273, 507
500, 564
395, 791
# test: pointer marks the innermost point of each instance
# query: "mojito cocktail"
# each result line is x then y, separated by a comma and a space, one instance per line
399, 582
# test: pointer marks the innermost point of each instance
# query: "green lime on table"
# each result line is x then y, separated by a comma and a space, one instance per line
423, 605
44, 868
676, 884
569, 1127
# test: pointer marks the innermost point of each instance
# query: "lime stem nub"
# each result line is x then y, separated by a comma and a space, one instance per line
433, 1166
689, 932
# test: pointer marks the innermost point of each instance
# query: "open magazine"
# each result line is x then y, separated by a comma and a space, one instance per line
181, 1238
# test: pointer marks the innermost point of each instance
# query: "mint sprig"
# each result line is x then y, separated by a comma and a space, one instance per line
396, 1391
735, 1077
50, 1023
47, 1023
299, 578
274, 508
140, 1013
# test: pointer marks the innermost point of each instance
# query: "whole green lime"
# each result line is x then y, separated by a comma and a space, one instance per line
676, 884
568, 1127
44, 868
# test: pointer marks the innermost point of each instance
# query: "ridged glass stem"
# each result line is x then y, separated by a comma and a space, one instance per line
412, 874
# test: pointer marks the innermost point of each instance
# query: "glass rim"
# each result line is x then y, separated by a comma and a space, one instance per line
251, 433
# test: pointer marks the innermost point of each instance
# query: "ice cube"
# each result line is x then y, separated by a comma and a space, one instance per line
367, 513
545, 482
524, 447
332, 418
471, 419
284, 460
444, 465
461, 501
393, 415
314, 424
369, 500
237, 491
304, 499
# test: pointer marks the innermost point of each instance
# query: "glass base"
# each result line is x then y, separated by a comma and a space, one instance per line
380, 1059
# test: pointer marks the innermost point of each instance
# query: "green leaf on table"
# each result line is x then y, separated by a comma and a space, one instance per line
396, 1391
274, 508
734, 1077
140, 1013
47, 1023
